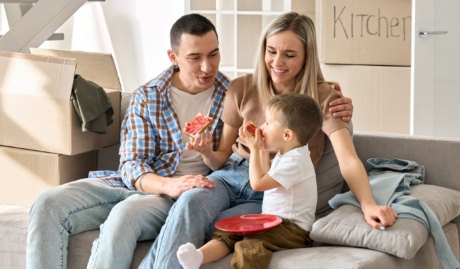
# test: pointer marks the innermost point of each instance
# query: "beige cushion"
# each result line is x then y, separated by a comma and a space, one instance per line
346, 225
14, 221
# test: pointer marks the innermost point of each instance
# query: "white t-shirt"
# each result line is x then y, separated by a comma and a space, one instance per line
187, 106
297, 196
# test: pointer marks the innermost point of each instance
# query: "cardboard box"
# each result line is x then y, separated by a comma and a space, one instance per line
26, 174
35, 107
380, 94
108, 158
365, 32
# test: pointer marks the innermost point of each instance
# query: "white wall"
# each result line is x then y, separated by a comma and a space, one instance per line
140, 35
136, 32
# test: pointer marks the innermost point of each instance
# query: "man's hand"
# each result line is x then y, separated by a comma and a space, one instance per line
342, 107
201, 143
174, 187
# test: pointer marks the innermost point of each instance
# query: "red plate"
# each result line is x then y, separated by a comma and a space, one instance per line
248, 224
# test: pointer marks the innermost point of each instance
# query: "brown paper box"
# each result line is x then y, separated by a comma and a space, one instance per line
35, 107
25, 174
380, 94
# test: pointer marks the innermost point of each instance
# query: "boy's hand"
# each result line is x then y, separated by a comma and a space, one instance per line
253, 142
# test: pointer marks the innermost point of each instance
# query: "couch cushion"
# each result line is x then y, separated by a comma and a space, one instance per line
340, 257
80, 250
444, 202
13, 233
346, 225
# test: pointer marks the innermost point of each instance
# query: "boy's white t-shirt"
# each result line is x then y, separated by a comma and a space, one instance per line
187, 106
297, 196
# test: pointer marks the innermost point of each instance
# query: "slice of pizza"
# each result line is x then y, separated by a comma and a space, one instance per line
251, 127
197, 125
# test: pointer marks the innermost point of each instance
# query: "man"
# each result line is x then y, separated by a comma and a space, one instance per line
153, 160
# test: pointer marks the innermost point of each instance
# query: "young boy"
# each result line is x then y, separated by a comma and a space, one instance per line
289, 186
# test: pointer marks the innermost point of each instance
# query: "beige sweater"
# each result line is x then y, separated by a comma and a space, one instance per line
242, 104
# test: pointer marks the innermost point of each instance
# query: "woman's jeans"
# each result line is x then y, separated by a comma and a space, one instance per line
124, 216
192, 217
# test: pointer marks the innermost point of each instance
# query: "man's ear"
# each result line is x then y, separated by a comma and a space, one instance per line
172, 57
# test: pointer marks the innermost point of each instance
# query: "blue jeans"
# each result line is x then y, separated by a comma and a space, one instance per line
123, 216
192, 217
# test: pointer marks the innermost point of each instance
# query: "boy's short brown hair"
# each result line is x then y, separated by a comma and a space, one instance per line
298, 112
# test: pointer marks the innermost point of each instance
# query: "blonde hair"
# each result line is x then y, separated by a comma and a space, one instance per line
310, 75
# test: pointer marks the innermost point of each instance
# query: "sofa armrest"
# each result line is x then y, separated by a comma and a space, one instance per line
440, 156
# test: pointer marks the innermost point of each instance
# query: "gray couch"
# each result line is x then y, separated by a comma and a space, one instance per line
441, 157
441, 189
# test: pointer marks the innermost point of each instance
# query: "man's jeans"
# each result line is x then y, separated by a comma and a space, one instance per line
127, 216
192, 217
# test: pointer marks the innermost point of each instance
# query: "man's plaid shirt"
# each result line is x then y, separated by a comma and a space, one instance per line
151, 138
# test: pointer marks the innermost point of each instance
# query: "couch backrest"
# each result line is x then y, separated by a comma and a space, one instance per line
440, 156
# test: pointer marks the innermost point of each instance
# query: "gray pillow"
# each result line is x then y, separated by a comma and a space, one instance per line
346, 225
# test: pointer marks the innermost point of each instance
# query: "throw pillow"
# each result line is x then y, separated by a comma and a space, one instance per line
346, 225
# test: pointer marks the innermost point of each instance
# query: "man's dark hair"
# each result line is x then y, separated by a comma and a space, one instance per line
193, 24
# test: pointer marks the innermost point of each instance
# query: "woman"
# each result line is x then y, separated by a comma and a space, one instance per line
287, 62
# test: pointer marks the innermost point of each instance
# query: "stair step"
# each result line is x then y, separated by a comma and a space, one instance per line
53, 37
35, 1
35, 21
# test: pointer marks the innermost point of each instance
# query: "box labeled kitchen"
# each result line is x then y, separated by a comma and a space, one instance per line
366, 32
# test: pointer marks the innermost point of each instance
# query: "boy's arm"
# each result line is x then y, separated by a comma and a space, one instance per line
259, 162
265, 160
258, 177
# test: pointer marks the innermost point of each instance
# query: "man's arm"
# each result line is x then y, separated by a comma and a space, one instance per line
341, 107
138, 158
174, 187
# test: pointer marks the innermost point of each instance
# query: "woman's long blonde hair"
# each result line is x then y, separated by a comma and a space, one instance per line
310, 74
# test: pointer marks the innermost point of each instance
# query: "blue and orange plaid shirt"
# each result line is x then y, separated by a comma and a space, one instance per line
151, 138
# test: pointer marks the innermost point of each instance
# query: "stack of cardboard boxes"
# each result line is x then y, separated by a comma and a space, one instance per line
42, 144
365, 46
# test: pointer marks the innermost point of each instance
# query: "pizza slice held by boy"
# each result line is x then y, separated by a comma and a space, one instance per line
251, 127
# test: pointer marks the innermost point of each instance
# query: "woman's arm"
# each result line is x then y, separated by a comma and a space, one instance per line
215, 159
356, 177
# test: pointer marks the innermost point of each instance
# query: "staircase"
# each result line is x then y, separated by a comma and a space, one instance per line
32, 22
